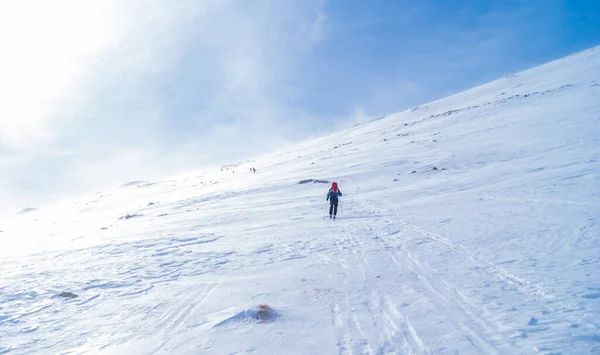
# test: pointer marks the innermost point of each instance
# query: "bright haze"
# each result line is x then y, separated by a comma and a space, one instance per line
97, 93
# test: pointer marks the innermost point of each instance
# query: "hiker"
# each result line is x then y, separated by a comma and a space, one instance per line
332, 196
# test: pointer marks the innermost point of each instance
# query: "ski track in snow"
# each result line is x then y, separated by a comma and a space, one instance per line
468, 225
404, 333
450, 294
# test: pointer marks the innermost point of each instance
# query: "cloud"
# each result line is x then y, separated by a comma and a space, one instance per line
102, 90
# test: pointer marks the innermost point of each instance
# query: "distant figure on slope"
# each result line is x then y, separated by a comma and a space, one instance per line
332, 196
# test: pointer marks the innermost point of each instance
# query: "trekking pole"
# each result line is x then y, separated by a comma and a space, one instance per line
341, 209
325, 209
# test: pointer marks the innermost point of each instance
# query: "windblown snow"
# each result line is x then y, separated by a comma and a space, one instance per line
468, 225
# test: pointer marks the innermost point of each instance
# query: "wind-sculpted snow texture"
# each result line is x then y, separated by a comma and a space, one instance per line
468, 225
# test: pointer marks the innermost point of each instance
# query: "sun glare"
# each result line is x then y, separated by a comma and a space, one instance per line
46, 49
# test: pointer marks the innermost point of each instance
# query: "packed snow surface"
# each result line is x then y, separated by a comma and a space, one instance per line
468, 225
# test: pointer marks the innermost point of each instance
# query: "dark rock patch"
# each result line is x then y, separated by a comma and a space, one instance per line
314, 181
128, 216
68, 295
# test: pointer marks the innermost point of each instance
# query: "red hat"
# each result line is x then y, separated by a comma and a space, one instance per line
334, 186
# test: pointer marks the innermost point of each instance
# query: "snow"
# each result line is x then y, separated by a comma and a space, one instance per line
468, 225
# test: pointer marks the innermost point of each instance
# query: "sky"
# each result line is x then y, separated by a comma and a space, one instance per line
98, 93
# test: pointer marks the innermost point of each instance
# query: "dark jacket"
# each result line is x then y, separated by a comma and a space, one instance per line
334, 195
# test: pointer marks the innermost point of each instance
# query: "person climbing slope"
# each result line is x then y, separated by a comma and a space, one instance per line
332, 196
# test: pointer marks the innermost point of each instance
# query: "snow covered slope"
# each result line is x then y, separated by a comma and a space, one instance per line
468, 225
